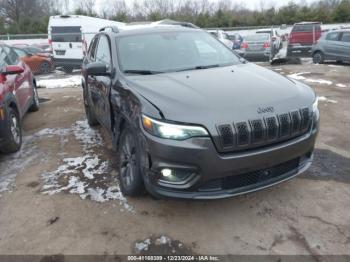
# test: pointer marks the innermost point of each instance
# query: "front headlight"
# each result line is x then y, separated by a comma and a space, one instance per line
315, 105
172, 131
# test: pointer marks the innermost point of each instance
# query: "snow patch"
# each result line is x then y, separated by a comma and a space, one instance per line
325, 99
71, 81
144, 245
341, 85
88, 175
299, 76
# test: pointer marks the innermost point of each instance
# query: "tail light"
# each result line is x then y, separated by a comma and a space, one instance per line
244, 45
266, 45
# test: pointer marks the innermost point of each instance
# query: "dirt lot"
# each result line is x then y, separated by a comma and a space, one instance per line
59, 195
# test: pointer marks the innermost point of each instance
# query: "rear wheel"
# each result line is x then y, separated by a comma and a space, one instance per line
90, 115
131, 182
318, 58
13, 132
35, 104
45, 68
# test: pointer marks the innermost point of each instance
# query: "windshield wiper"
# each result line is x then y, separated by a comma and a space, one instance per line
198, 67
142, 72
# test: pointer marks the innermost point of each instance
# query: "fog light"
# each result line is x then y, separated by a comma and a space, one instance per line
167, 172
175, 176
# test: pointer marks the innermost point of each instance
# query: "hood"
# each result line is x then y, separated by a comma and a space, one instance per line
221, 95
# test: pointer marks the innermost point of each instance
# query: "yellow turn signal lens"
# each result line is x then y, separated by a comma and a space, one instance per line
147, 123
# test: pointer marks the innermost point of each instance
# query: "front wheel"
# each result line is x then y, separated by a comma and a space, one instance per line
130, 178
36, 103
90, 115
13, 132
318, 58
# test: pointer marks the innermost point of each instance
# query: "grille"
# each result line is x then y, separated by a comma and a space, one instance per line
272, 128
284, 120
305, 118
242, 133
257, 131
296, 121
251, 178
226, 135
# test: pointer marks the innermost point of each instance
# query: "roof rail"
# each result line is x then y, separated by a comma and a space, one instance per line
114, 29
172, 22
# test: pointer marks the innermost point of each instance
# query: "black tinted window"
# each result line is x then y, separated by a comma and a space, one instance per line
332, 36
346, 37
103, 53
66, 34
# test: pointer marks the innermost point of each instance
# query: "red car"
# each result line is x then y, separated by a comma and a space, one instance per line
18, 95
303, 36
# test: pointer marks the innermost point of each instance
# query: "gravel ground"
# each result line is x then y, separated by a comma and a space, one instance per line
59, 194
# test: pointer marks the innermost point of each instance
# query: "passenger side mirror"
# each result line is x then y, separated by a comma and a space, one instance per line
97, 69
12, 70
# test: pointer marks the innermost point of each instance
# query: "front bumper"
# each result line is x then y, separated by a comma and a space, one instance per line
224, 175
256, 54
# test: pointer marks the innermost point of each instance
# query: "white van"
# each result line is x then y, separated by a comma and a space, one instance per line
70, 36
222, 36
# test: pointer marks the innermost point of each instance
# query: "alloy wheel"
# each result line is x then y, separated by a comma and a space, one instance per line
128, 161
15, 129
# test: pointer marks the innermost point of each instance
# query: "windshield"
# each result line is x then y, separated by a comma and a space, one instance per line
257, 37
172, 51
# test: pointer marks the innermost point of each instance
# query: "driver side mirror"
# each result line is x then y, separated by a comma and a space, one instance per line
12, 70
97, 69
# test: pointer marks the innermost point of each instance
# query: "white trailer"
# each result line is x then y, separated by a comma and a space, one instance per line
70, 36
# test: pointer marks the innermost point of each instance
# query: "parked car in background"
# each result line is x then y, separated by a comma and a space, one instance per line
70, 35
190, 119
223, 37
236, 39
275, 37
334, 45
18, 94
39, 63
302, 37
256, 47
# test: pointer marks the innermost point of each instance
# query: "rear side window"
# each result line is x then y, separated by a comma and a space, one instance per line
306, 28
66, 34
4, 60
103, 53
332, 36
12, 56
20, 52
346, 37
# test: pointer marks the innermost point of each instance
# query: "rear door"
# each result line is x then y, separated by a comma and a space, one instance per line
345, 46
331, 45
103, 83
67, 42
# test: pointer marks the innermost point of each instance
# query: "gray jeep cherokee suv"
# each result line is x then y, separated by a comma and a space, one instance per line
191, 119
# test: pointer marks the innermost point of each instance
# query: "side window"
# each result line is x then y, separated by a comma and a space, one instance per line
20, 52
332, 36
12, 57
103, 53
3, 58
346, 37
92, 48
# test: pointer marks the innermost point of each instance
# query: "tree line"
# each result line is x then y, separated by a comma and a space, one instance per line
31, 16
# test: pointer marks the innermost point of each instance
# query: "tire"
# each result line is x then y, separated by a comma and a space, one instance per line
129, 164
13, 132
318, 58
45, 68
35, 104
68, 69
90, 115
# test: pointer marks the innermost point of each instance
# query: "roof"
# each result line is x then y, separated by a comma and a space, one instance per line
307, 23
